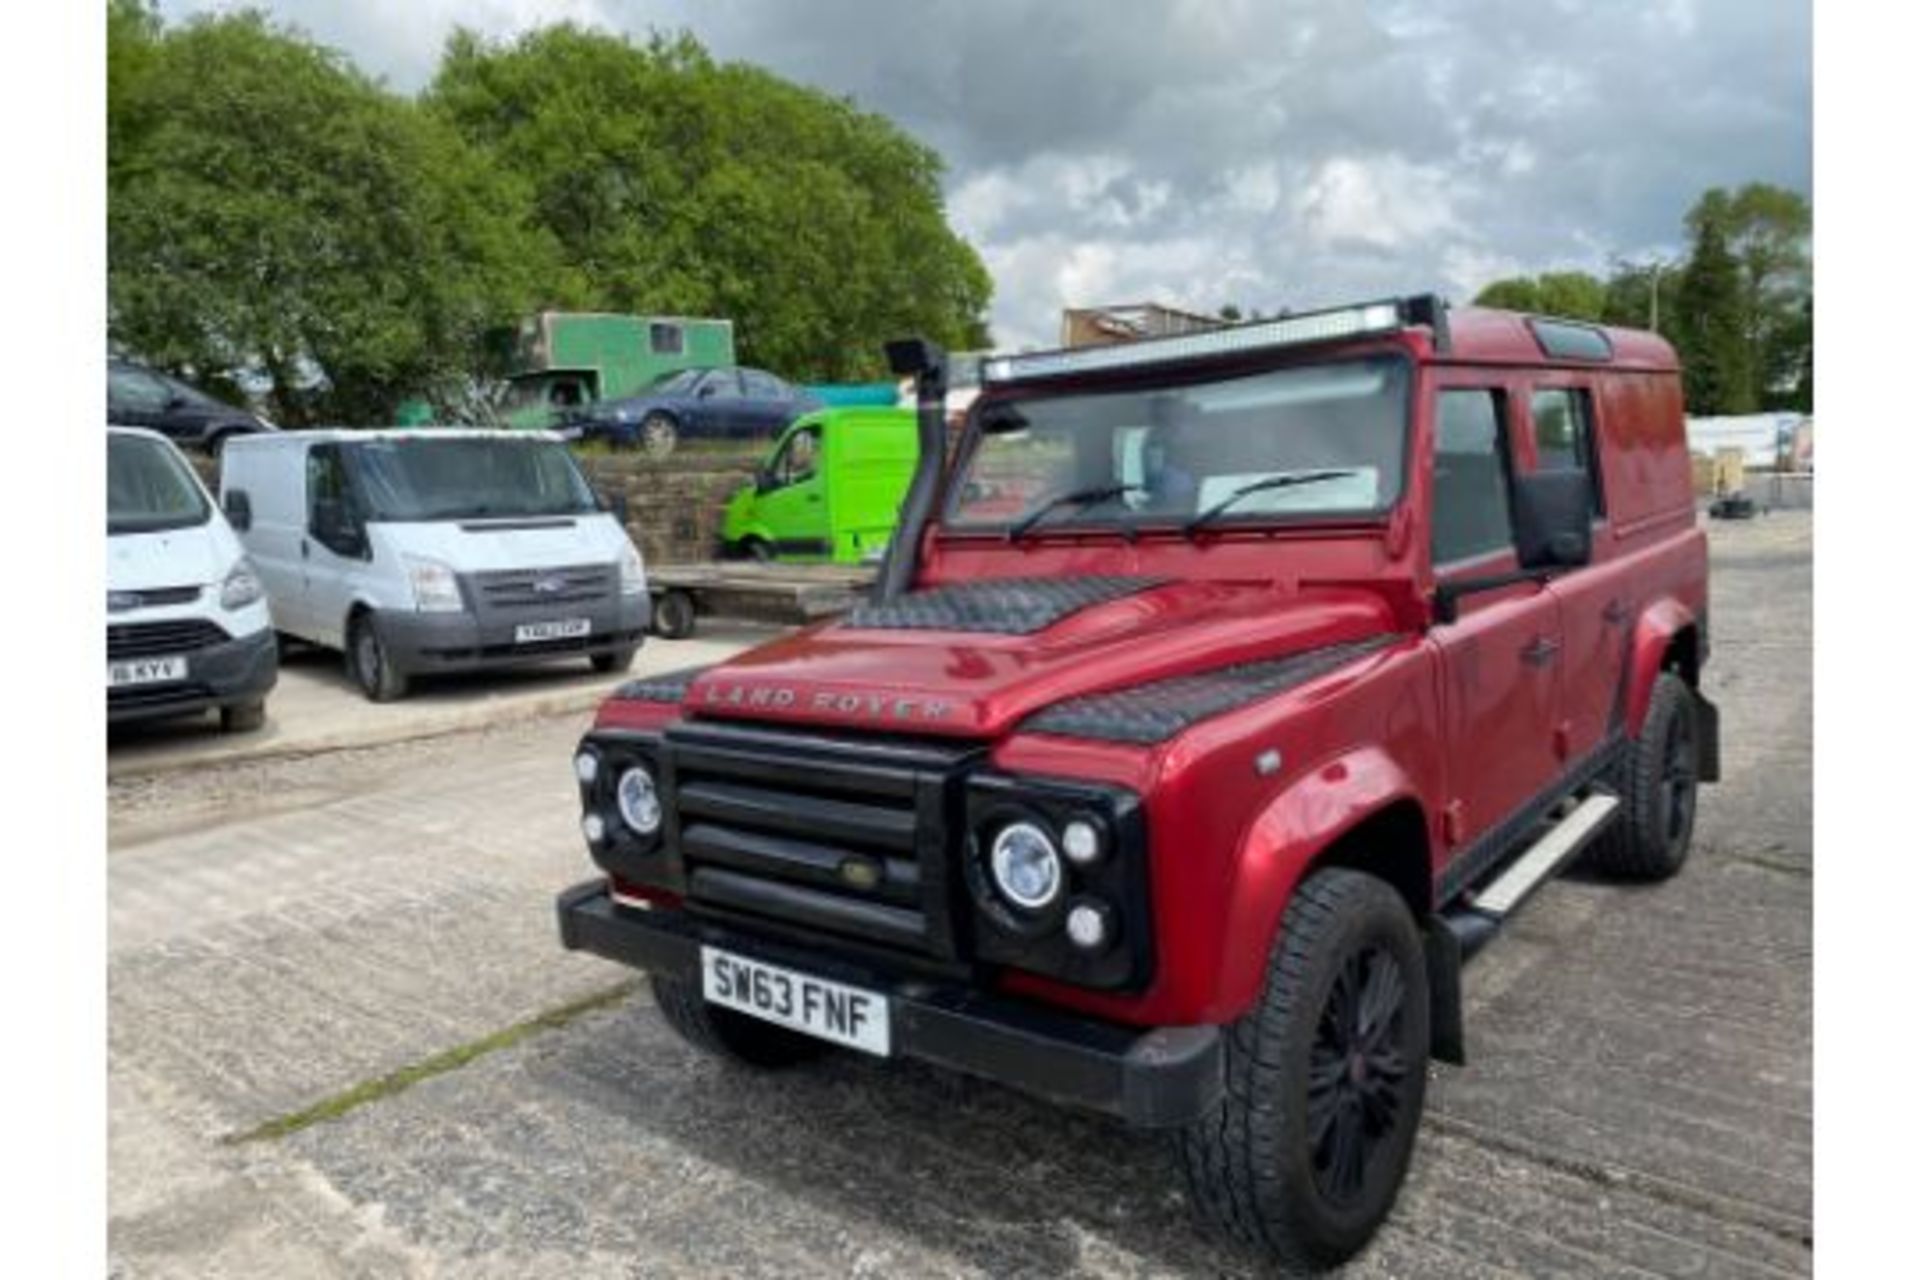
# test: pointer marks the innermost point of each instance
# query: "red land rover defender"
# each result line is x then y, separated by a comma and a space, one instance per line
1219, 698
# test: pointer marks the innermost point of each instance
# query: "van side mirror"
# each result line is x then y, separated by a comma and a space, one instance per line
239, 509
1553, 519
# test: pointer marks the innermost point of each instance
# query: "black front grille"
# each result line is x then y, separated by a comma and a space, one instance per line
832, 835
543, 588
158, 639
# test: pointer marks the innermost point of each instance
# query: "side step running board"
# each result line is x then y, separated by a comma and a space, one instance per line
1482, 914
1462, 931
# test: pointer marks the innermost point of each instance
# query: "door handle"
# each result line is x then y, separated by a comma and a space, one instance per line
1539, 652
1615, 613
303, 548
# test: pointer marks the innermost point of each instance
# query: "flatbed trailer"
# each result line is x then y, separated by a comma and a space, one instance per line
778, 593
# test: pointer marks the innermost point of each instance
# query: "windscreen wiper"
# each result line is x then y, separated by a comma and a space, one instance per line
1075, 498
1287, 481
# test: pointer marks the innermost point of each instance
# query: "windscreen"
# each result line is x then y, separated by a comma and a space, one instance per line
467, 477
149, 487
1302, 442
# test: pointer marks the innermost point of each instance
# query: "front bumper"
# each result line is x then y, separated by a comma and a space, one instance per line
1156, 1078
220, 675
422, 642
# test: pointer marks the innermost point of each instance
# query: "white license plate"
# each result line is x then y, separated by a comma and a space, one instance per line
830, 1010
565, 629
145, 671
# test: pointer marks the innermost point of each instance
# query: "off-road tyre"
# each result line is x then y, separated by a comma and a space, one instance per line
728, 1034
1253, 1170
658, 434
1649, 840
243, 718
673, 615
370, 664
613, 660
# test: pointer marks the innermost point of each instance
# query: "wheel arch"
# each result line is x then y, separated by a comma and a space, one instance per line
1667, 637
1358, 810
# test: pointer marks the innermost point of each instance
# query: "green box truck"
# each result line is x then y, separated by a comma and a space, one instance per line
565, 360
830, 490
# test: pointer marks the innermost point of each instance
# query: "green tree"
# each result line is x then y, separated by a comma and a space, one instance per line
270, 208
1520, 293
1770, 230
673, 183
1710, 321
1574, 295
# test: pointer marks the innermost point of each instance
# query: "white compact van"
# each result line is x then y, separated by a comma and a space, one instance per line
435, 549
187, 625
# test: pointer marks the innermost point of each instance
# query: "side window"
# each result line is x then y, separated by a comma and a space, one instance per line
762, 386
1563, 435
132, 389
667, 339
800, 459
721, 382
328, 511
1470, 511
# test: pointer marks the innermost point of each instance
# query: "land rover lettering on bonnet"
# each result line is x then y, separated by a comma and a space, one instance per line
1218, 691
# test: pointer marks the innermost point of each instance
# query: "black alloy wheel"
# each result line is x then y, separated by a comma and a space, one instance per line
1357, 1073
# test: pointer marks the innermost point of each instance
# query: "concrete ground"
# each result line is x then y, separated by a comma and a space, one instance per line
289, 932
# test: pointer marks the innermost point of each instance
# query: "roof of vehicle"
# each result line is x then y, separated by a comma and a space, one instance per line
116, 429
1483, 335
354, 435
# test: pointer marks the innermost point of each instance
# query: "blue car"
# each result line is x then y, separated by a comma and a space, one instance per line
694, 404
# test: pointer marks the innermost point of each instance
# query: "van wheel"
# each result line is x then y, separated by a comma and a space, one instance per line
614, 660
673, 615
759, 550
244, 718
1326, 1080
658, 435
1659, 786
369, 663
726, 1033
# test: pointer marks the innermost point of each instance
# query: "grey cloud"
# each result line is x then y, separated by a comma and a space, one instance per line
1291, 152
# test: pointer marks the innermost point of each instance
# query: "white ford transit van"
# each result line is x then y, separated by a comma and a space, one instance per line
435, 549
187, 625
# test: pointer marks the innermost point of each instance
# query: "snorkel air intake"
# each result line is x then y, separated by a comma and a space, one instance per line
926, 363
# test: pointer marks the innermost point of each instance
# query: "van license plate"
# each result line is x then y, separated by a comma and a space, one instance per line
845, 1015
145, 671
565, 629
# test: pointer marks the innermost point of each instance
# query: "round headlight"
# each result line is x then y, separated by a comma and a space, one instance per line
594, 828
1080, 840
586, 767
639, 801
1090, 924
1026, 866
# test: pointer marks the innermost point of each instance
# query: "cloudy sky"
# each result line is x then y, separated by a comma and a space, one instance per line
1261, 152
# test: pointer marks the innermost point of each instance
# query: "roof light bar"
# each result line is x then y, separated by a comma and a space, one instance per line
1319, 326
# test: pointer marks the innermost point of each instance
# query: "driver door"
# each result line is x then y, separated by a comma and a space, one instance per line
794, 508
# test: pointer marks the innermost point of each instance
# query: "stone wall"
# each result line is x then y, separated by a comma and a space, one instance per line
673, 507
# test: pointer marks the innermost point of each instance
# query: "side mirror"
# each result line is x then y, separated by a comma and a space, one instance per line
239, 509
1553, 519
708, 391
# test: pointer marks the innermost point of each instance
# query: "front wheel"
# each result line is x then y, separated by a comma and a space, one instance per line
727, 1033
371, 664
243, 718
613, 660
1326, 1080
673, 615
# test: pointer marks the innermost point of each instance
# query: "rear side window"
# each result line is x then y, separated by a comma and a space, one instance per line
1470, 512
1563, 435
762, 386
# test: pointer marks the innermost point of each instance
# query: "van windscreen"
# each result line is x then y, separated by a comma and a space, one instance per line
149, 488
467, 477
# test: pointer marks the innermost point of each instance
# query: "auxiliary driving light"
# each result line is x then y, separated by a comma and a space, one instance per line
594, 828
639, 800
1090, 924
1080, 840
1026, 866
586, 767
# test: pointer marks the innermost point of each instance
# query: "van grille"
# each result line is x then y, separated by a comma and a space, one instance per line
155, 639
543, 588
828, 835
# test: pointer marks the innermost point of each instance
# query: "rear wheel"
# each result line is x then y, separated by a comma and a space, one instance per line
673, 615
759, 550
370, 664
1659, 785
1326, 1080
729, 1034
